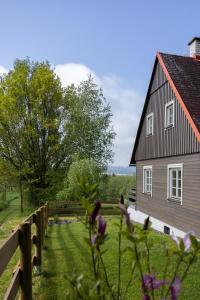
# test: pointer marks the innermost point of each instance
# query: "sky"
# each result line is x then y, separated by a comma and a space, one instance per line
114, 40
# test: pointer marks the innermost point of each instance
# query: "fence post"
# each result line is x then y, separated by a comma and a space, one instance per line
38, 241
25, 261
46, 215
42, 224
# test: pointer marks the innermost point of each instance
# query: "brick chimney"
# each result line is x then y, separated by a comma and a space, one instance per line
194, 47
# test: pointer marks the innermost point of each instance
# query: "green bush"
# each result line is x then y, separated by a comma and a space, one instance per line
115, 186
86, 169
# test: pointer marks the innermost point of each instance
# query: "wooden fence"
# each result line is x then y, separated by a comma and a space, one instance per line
63, 208
24, 239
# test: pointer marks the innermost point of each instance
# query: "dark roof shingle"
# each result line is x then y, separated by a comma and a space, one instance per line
185, 74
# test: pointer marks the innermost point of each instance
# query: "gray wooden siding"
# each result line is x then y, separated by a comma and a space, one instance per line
178, 140
159, 78
186, 216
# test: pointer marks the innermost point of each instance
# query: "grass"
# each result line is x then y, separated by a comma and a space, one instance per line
10, 217
66, 253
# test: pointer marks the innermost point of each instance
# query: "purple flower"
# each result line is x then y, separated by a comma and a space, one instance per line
97, 237
146, 297
93, 239
126, 215
95, 212
175, 289
150, 282
186, 240
101, 226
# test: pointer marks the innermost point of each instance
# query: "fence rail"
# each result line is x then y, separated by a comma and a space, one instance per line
69, 208
23, 239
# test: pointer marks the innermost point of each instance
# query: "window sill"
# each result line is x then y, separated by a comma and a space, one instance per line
150, 134
147, 194
169, 127
175, 200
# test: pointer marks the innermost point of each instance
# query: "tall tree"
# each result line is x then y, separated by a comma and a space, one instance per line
88, 129
42, 125
31, 112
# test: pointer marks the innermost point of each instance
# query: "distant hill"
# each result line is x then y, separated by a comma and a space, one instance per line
119, 170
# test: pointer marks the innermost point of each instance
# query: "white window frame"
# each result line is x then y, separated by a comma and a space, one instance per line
148, 133
169, 188
144, 180
166, 106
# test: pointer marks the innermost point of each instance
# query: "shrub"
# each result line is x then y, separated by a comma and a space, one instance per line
79, 169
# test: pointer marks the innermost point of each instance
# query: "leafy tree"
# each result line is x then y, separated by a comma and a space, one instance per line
115, 186
42, 125
80, 170
31, 112
88, 131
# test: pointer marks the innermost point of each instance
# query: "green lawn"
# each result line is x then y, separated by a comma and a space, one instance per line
11, 216
66, 253
9, 219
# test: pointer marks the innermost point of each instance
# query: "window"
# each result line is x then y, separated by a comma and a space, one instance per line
147, 180
175, 175
149, 124
169, 114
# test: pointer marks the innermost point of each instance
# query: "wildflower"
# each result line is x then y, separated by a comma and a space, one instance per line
101, 227
175, 288
146, 297
95, 212
150, 282
186, 240
126, 215
101, 231
93, 239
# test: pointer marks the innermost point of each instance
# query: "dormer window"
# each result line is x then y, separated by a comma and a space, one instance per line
169, 114
149, 124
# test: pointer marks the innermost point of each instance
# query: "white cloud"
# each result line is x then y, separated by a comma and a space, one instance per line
126, 106
3, 70
73, 73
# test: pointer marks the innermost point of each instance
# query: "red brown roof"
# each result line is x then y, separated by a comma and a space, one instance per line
183, 74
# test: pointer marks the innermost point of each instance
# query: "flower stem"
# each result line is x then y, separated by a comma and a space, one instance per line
106, 276
119, 258
165, 276
175, 273
149, 268
188, 267
140, 268
129, 282
92, 253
